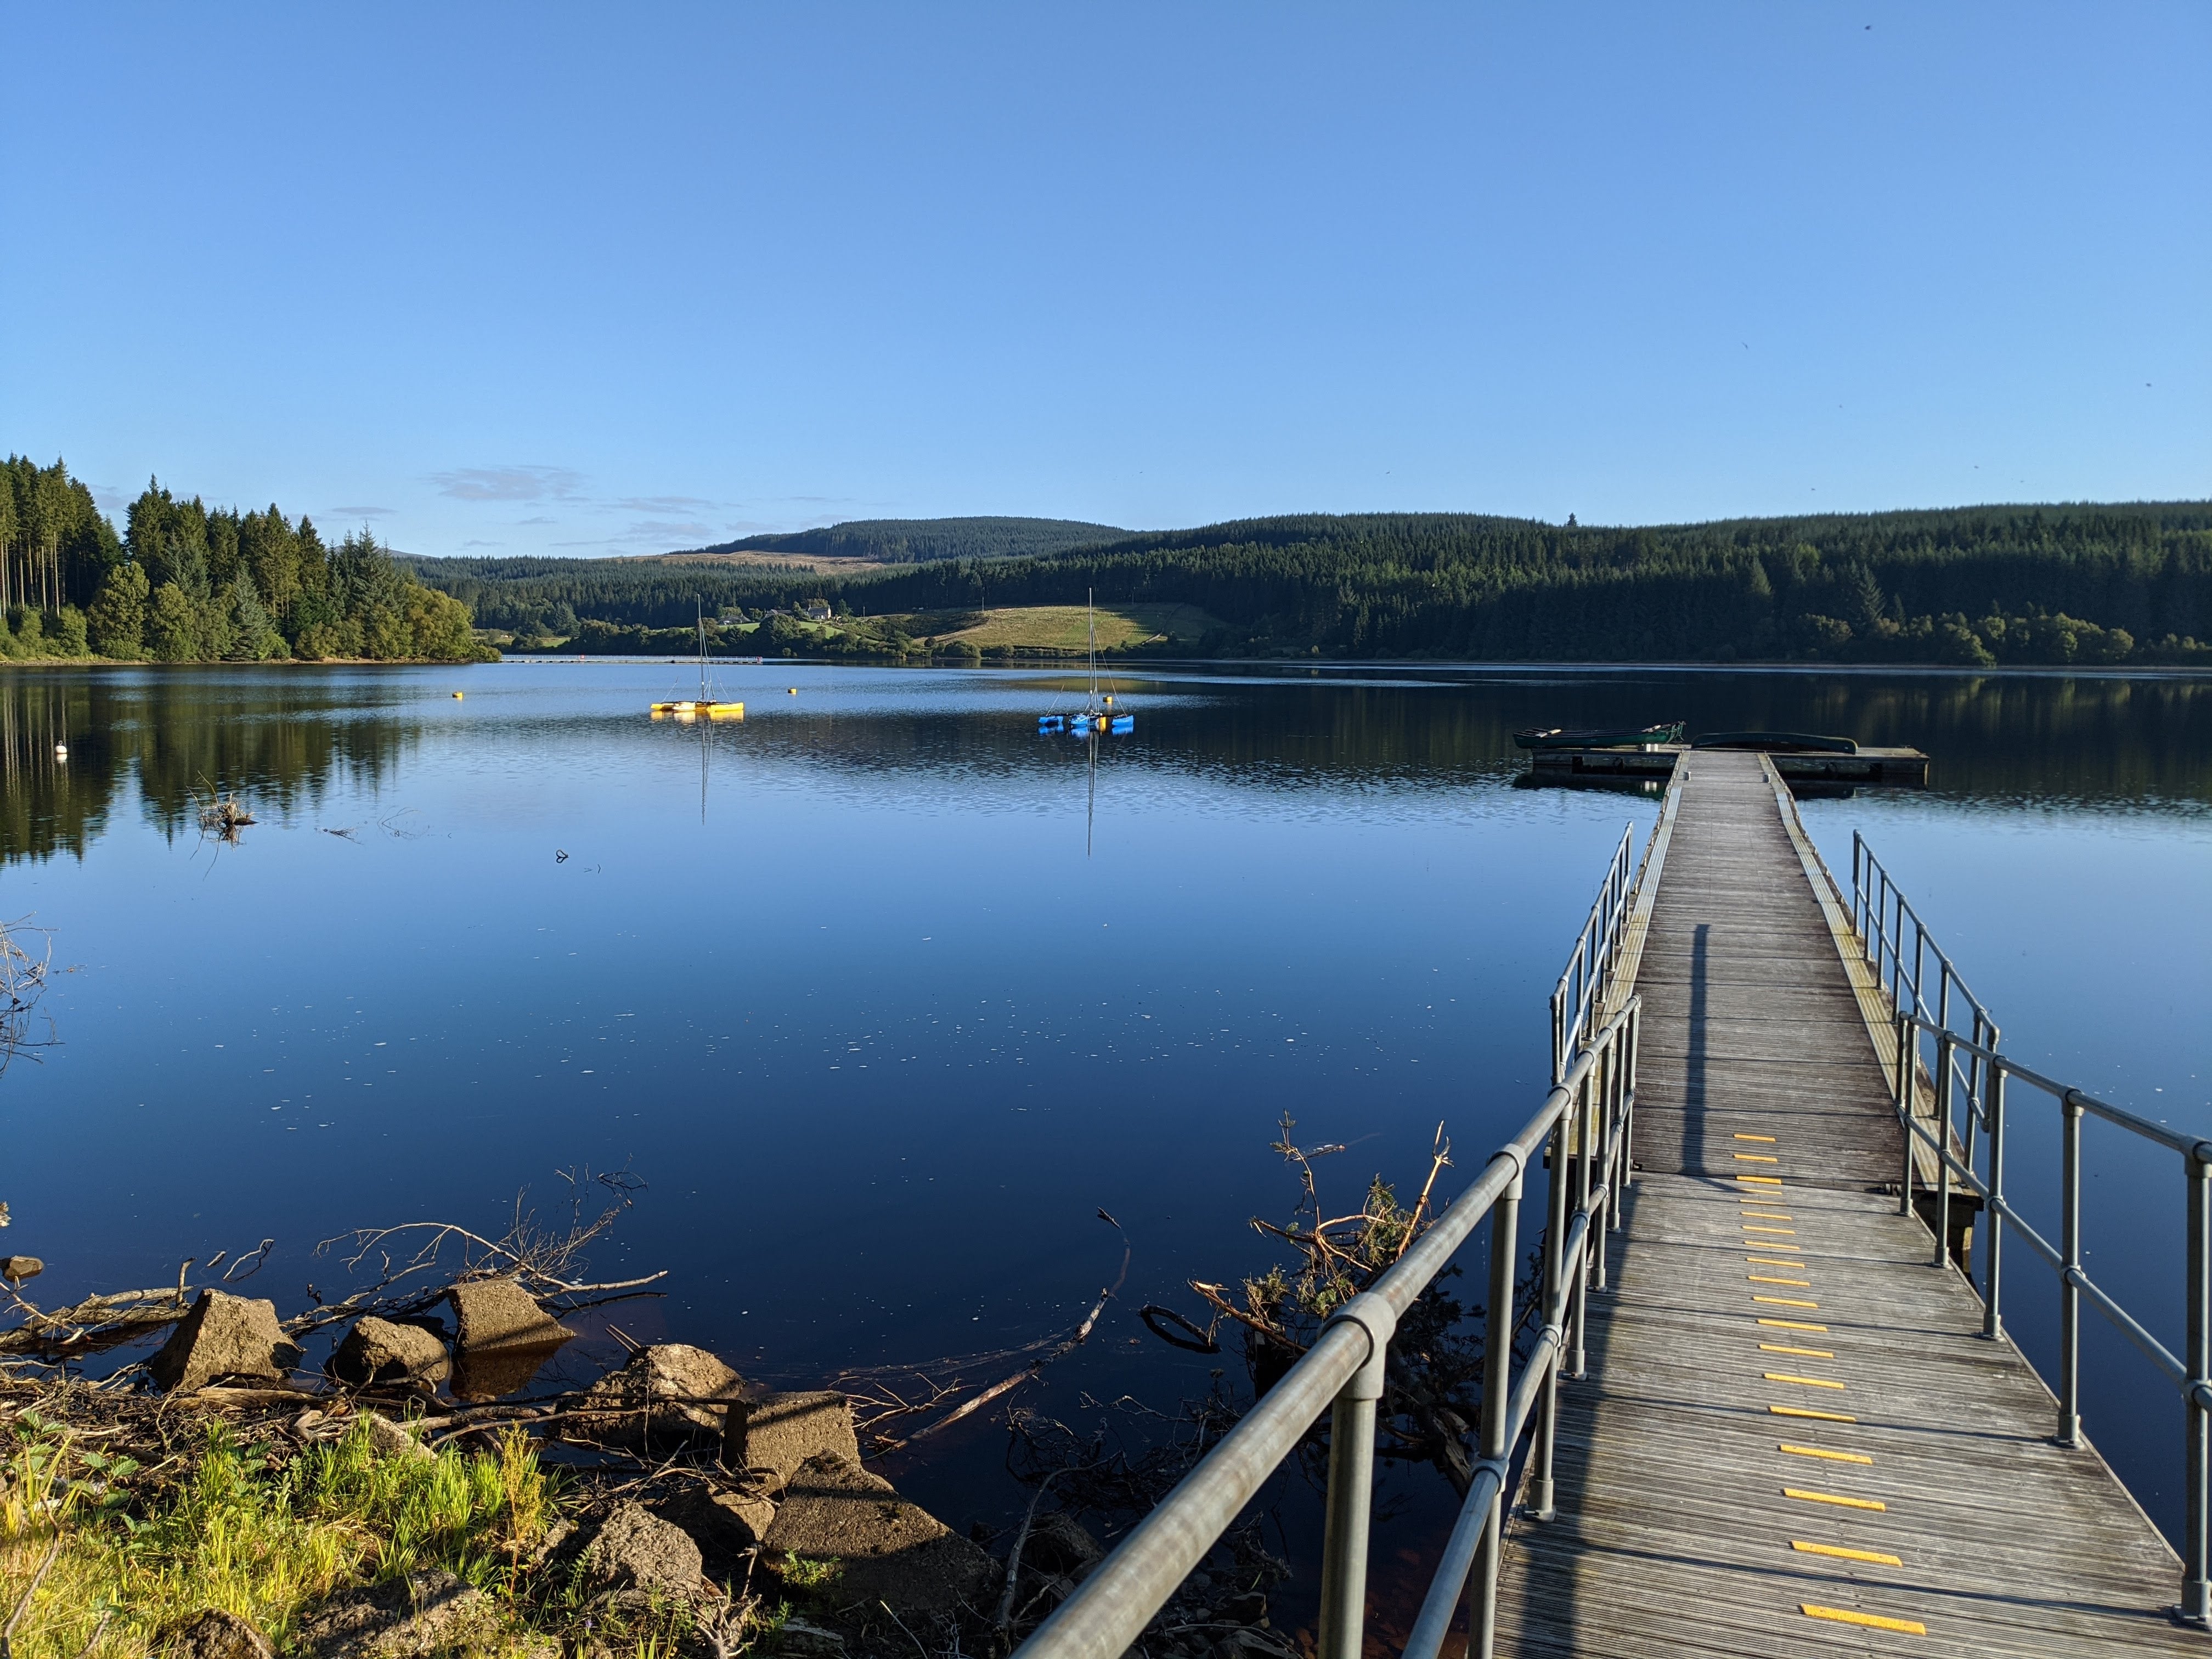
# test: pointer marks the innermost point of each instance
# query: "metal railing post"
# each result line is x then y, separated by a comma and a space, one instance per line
1943, 1053
1908, 1038
1857, 850
1352, 1489
1616, 1135
1598, 1186
1547, 1400
1497, 1392
1896, 952
2196, 1588
1632, 1037
1974, 1091
1578, 1301
1559, 1035
1993, 1275
2070, 1289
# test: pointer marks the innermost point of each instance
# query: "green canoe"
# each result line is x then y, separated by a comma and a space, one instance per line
1776, 740
1555, 737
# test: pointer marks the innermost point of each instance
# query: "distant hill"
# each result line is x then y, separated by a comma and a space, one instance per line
2074, 582
920, 540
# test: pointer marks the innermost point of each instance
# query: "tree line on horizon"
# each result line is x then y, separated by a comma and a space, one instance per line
1981, 587
184, 582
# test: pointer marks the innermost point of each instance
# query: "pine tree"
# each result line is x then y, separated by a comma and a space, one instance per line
117, 619
253, 635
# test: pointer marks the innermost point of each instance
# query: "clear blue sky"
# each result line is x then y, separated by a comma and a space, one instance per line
589, 279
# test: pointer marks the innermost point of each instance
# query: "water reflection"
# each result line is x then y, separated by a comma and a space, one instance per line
285, 738
171, 737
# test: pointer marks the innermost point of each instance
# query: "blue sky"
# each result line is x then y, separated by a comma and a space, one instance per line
589, 280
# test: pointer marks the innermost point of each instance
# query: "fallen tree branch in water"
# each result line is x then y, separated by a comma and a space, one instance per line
22, 982
536, 1258
1007, 1385
96, 1323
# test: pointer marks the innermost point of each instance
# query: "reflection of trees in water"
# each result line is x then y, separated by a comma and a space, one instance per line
281, 740
286, 740
49, 804
1990, 735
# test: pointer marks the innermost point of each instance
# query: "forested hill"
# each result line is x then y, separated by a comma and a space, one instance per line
917, 541
2127, 583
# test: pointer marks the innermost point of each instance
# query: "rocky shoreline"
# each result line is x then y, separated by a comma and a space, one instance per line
697, 1512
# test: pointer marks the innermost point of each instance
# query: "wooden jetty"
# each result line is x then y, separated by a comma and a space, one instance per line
1791, 1437
1900, 767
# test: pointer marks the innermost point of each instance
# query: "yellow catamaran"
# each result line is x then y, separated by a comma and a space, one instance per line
703, 706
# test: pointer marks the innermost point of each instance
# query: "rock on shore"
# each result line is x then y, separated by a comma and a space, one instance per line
223, 1335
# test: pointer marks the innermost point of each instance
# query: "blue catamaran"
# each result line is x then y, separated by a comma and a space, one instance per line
1098, 713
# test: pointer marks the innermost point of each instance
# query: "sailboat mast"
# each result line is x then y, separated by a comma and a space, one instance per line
1091, 609
700, 606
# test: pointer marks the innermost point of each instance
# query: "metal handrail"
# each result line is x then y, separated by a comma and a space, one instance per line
1580, 992
1950, 1144
1344, 1370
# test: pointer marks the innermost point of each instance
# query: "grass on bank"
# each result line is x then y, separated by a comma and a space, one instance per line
1062, 627
261, 1533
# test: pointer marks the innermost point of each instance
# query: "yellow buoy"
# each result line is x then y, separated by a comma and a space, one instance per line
794, 690
457, 696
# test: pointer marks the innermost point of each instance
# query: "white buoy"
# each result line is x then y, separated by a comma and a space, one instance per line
61, 751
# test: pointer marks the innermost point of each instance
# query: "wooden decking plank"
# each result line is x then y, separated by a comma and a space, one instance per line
1675, 1530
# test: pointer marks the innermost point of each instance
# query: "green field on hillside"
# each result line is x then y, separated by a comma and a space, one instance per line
1062, 627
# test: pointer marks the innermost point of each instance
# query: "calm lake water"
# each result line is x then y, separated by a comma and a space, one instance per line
884, 996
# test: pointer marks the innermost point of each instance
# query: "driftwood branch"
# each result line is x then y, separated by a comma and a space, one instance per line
1007, 1385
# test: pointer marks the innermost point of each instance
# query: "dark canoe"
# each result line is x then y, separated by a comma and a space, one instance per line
1554, 737
1776, 740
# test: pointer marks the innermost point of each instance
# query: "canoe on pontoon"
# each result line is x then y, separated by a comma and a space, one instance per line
1775, 741
1601, 738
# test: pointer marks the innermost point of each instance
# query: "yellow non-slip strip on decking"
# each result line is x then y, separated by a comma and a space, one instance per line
1760, 1181
1842, 1555
1786, 1302
1870, 1620
1793, 1284
1786, 1232
1787, 1324
1755, 1157
1809, 1382
1818, 1417
1822, 1451
1769, 1140
1802, 1353
1834, 1498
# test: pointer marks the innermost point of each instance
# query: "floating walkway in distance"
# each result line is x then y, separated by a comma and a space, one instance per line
1791, 1437
1901, 768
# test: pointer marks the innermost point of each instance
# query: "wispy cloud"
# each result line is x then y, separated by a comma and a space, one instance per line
473, 543
510, 484
666, 530
540, 519
658, 535
665, 504
363, 513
